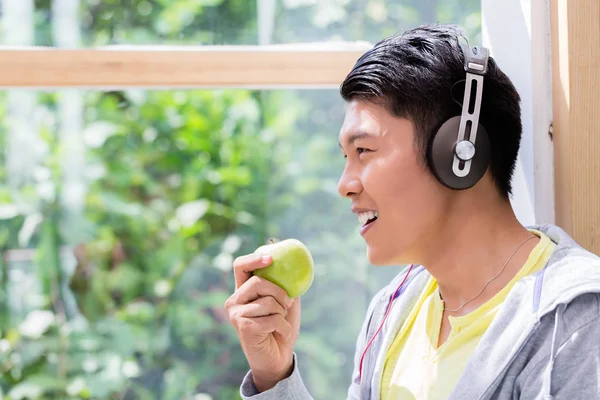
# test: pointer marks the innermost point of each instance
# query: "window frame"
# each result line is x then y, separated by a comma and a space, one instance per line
272, 66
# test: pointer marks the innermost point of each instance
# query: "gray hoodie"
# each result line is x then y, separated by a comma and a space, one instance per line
544, 342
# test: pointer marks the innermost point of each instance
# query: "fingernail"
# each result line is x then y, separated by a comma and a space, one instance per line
289, 303
266, 259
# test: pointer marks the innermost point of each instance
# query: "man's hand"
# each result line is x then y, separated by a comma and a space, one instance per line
267, 322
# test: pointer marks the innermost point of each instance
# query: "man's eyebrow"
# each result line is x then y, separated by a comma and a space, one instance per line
357, 135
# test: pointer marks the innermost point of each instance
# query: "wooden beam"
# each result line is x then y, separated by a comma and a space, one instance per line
576, 109
179, 67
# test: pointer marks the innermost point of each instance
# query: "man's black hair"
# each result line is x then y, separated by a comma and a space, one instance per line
415, 74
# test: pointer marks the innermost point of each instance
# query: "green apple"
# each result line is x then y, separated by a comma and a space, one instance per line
292, 268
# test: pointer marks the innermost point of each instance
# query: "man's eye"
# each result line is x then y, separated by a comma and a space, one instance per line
361, 150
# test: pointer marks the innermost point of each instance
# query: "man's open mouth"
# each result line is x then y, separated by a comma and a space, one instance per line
367, 217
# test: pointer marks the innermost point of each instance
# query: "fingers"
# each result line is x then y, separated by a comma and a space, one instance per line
257, 287
261, 307
244, 265
265, 325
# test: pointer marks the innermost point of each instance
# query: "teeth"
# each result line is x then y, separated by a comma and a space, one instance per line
363, 217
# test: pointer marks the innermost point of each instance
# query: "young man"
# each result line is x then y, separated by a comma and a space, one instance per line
488, 309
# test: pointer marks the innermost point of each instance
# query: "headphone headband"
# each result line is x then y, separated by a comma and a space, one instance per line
476, 59
460, 150
476, 62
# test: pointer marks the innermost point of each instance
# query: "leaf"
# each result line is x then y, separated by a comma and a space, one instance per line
113, 203
36, 324
78, 387
32, 352
189, 213
29, 226
34, 387
96, 133
120, 337
231, 244
109, 379
127, 279
8, 211
140, 311
237, 175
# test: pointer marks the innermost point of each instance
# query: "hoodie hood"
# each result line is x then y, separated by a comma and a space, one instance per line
570, 273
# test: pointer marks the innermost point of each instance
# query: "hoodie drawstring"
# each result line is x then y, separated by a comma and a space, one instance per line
547, 385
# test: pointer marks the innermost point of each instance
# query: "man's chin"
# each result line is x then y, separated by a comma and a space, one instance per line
379, 259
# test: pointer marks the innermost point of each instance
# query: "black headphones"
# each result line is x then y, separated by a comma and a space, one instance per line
459, 152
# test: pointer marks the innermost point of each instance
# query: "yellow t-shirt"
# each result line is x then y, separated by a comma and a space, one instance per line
415, 368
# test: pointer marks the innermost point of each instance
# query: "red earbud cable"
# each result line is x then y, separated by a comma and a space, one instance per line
382, 322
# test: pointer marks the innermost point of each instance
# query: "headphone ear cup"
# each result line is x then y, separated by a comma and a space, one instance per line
441, 156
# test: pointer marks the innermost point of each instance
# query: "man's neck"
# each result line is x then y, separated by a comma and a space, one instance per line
471, 247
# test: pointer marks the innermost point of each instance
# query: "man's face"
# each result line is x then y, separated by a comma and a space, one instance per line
384, 178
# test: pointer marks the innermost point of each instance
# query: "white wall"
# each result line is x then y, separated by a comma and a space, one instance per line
517, 32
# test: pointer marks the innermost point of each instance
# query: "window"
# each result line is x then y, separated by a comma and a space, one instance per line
123, 208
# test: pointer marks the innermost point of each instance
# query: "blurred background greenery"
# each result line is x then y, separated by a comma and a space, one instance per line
121, 211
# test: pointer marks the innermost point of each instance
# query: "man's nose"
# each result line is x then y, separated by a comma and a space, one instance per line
349, 184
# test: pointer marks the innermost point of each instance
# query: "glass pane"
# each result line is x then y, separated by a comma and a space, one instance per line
121, 213
120, 216
90, 23
369, 20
